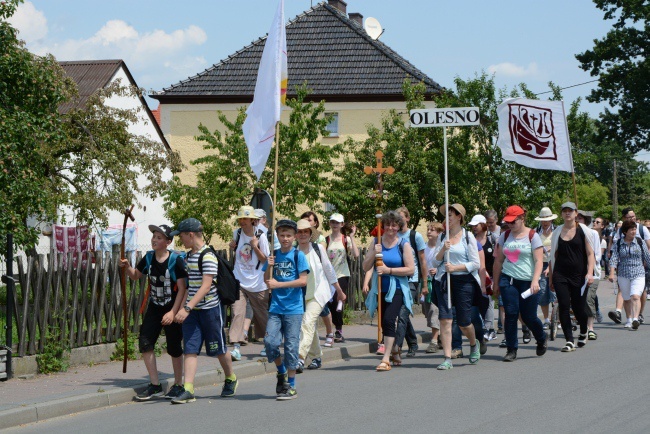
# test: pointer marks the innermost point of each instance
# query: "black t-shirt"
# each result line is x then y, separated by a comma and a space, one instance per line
162, 287
488, 250
571, 258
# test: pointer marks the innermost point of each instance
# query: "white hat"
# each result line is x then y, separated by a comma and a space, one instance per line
337, 217
259, 213
546, 215
478, 218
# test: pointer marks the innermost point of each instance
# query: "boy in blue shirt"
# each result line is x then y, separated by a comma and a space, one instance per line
286, 275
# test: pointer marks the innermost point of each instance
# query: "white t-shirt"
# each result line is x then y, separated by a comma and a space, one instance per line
250, 276
645, 235
595, 244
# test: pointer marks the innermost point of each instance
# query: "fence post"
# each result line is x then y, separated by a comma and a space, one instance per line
8, 279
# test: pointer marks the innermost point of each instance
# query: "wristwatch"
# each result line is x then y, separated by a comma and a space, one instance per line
188, 309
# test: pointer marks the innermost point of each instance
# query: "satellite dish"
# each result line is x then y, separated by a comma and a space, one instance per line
373, 28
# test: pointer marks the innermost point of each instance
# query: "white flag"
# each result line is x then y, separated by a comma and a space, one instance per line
534, 134
270, 93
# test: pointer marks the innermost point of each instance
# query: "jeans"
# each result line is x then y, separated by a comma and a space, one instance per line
457, 335
514, 305
546, 296
405, 328
283, 326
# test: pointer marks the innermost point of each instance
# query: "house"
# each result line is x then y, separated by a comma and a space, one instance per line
360, 79
91, 76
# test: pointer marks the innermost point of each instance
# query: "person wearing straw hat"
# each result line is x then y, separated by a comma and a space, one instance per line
251, 251
457, 259
320, 281
545, 230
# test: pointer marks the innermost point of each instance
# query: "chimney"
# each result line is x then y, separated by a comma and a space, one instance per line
356, 16
338, 4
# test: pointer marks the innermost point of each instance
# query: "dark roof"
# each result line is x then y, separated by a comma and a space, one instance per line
93, 75
328, 50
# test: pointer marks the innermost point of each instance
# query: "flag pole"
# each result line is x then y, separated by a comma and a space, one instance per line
573, 172
275, 182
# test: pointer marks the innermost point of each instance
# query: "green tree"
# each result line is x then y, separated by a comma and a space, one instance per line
620, 62
225, 181
85, 159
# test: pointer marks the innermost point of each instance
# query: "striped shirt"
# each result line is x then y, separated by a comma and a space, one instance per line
629, 258
195, 278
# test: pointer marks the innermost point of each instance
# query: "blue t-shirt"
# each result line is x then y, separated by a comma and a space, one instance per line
392, 259
288, 301
420, 245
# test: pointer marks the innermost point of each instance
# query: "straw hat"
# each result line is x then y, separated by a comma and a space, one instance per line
304, 224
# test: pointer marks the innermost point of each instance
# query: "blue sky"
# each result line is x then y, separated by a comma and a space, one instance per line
165, 41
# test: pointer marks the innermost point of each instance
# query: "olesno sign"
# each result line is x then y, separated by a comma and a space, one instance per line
445, 117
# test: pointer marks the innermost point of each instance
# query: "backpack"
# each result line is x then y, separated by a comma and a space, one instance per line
640, 226
317, 250
531, 234
638, 240
171, 267
258, 234
226, 283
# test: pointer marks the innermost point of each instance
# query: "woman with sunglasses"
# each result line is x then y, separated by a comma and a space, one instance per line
517, 270
571, 271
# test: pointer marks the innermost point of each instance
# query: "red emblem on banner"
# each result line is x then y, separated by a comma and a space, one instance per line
531, 131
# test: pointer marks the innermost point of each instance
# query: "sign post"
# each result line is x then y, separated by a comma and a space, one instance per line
445, 117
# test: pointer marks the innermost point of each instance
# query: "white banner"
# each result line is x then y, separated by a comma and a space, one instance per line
445, 117
534, 134
270, 93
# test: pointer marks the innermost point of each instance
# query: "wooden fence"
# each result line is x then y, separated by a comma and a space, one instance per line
78, 300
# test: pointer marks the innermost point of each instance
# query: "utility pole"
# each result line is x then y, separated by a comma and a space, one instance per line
614, 198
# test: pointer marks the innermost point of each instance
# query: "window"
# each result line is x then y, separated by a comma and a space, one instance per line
333, 126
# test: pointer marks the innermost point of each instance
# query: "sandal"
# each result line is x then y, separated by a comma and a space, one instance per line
396, 357
592, 336
582, 341
568, 347
475, 355
383, 366
328, 340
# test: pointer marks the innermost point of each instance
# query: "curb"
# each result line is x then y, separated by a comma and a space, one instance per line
91, 401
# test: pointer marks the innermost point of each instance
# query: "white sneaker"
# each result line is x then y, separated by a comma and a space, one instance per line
235, 354
263, 352
628, 324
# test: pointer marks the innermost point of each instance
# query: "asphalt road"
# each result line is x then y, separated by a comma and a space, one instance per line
604, 387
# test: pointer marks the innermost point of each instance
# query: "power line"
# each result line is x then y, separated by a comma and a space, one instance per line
568, 87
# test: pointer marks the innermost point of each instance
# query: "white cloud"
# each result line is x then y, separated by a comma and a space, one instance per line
509, 69
30, 22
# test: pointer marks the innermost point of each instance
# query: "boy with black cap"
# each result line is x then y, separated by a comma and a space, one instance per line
166, 274
202, 316
286, 276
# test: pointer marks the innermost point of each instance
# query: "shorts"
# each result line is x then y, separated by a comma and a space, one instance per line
151, 328
630, 287
590, 305
462, 298
325, 312
205, 325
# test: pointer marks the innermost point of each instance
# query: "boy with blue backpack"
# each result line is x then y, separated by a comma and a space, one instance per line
165, 271
286, 276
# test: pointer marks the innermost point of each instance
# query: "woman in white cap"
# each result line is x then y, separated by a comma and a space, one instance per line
317, 294
339, 248
462, 270
545, 230
571, 270
480, 231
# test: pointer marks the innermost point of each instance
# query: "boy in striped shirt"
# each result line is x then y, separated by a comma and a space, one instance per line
202, 316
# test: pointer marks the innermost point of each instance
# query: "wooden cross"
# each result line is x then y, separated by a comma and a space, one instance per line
380, 169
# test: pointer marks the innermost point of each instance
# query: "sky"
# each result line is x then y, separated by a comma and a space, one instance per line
164, 42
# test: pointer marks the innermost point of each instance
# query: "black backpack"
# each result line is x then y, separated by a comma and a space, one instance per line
227, 284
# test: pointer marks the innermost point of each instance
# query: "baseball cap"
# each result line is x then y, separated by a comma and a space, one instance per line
337, 217
188, 225
163, 229
286, 223
569, 205
478, 218
512, 212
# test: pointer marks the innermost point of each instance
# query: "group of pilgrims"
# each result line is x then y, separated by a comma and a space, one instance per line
284, 291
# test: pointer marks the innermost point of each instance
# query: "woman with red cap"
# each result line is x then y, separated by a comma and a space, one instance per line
517, 269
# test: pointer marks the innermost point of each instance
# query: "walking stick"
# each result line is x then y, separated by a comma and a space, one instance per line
379, 171
127, 215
